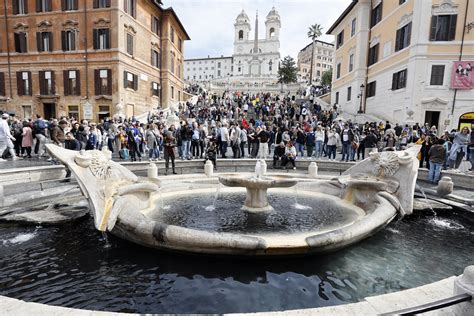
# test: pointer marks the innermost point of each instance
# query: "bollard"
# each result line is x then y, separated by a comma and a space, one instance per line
152, 171
313, 170
445, 186
209, 168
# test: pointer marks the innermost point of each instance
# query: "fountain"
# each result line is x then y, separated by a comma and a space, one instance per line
340, 211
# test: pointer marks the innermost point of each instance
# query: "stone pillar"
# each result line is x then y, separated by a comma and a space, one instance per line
464, 284
152, 171
313, 170
445, 186
209, 168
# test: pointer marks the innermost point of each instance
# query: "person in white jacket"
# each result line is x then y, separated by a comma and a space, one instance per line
6, 137
290, 154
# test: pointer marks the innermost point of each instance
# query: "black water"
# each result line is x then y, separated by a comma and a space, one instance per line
72, 266
290, 215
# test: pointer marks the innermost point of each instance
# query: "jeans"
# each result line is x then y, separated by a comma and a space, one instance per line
352, 153
300, 149
224, 149
309, 150
435, 171
319, 149
185, 147
332, 151
346, 150
242, 149
154, 153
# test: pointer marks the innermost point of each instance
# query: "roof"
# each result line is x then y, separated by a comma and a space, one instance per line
159, 4
343, 15
208, 58
317, 41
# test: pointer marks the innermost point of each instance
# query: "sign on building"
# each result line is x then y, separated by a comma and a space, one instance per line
462, 77
88, 111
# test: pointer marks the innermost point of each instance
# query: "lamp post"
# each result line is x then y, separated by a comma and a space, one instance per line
361, 94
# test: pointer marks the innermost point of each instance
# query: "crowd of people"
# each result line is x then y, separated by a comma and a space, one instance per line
238, 125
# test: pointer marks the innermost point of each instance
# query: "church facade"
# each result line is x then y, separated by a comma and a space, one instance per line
253, 59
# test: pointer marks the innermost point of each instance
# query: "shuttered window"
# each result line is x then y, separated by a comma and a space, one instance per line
20, 7
101, 38
2, 84
130, 44
399, 80
44, 6
155, 89
103, 81
403, 37
68, 40
130, 80
443, 27
97, 4
371, 87
20, 42
155, 58
24, 84
373, 54
69, 5
130, 7
44, 41
155, 26
47, 83
72, 82
376, 15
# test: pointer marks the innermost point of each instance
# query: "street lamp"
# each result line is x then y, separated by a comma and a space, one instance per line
362, 86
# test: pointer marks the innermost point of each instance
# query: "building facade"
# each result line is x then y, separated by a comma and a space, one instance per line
253, 60
398, 60
322, 61
89, 59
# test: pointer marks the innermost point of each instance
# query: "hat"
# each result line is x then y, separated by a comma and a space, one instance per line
5, 115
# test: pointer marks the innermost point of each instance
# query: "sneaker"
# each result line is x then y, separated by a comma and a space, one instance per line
294, 168
1, 160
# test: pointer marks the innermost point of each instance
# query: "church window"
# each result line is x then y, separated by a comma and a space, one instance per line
241, 35
272, 32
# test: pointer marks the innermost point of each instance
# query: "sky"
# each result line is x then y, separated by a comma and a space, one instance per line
210, 23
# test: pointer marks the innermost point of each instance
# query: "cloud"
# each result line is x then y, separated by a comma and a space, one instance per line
210, 23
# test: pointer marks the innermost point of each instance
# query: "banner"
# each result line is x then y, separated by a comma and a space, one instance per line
462, 76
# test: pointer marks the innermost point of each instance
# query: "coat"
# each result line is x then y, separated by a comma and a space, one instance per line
27, 140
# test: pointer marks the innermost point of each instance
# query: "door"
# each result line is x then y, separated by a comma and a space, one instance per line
432, 118
49, 110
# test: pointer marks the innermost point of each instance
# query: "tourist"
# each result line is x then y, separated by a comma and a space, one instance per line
6, 138
27, 139
347, 136
425, 148
290, 155
153, 141
169, 143
235, 140
437, 154
319, 141
263, 138
279, 154
225, 139
39, 131
243, 140
459, 147
211, 153
58, 134
310, 142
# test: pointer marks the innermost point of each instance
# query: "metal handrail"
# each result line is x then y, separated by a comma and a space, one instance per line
433, 305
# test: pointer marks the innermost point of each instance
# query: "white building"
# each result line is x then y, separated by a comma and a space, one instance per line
253, 60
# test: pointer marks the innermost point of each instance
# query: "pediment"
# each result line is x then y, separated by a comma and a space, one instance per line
446, 7
434, 102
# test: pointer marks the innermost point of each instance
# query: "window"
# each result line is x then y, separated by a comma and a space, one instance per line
371, 86
272, 32
2, 84
98, 4
23, 79
337, 97
44, 41
180, 44
155, 89
403, 37
73, 111
443, 27
399, 80
437, 75
26, 111
172, 62
172, 92
155, 26
130, 81
318, 73
130, 44
20, 7
101, 38
68, 40
218, 64
69, 5
155, 58
338, 71
43, 5
351, 63
241, 35
218, 73
72, 82
20, 42
376, 15
373, 54
46, 83
353, 27
129, 7
172, 34
400, 2
349, 93
103, 81
340, 39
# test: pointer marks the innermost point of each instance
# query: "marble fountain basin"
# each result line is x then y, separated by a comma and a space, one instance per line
203, 217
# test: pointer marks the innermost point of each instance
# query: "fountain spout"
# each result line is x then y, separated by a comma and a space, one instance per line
258, 170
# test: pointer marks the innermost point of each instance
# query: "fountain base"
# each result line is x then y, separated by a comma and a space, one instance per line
257, 201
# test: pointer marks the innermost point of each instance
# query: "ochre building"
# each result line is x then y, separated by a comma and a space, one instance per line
399, 61
89, 59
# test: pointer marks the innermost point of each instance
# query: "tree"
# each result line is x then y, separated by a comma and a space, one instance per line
288, 71
314, 32
326, 78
